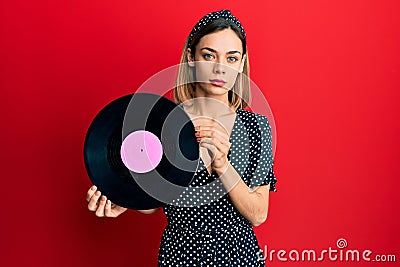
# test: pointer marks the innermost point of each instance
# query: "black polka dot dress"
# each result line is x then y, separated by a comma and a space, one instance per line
204, 228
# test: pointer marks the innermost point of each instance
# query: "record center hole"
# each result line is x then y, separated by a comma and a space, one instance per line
141, 150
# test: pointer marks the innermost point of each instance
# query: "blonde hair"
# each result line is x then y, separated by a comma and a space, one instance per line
239, 96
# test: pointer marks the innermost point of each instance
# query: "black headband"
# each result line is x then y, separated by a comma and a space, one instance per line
226, 14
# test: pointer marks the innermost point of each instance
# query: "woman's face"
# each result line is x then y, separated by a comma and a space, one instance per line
217, 61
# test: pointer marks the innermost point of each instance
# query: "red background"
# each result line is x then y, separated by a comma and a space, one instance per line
329, 69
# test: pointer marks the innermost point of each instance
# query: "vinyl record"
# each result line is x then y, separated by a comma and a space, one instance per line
138, 144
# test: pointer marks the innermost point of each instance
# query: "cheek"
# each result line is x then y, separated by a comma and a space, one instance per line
231, 81
231, 76
203, 71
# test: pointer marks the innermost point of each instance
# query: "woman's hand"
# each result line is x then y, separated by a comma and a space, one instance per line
213, 137
101, 206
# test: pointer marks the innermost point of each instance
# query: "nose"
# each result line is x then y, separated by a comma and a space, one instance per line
219, 68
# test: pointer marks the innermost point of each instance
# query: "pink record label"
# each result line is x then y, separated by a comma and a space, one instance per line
141, 151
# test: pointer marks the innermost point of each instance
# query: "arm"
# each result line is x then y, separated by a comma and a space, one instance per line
252, 204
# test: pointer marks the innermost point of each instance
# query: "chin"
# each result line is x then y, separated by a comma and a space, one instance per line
218, 91
210, 89
215, 88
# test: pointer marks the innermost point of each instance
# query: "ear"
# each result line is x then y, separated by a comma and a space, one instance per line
190, 58
242, 63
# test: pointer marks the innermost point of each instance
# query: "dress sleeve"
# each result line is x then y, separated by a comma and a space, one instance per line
262, 159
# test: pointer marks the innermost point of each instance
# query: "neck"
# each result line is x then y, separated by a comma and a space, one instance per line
210, 105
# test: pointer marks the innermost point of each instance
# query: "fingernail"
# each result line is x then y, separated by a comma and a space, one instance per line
94, 188
98, 193
196, 128
198, 139
108, 202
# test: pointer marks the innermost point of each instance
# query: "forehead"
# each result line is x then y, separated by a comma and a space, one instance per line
222, 41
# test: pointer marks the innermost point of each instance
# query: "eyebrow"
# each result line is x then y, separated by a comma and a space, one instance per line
215, 51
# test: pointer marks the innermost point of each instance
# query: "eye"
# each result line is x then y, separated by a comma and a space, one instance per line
232, 59
208, 56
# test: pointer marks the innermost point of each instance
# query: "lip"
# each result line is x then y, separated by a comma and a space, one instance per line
217, 82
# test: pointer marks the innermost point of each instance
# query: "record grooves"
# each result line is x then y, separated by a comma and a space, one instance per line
105, 139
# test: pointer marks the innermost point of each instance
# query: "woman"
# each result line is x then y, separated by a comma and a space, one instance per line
213, 227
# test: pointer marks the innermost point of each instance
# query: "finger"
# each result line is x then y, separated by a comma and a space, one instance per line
213, 134
107, 209
207, 126
207, 129
90, 192
216, 138
211, 141
222, 148
211, 147
100, 208
92, 205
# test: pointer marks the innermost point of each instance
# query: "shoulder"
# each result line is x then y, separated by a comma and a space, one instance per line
254, 119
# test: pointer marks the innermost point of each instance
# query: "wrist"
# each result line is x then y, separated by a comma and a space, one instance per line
222, 170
